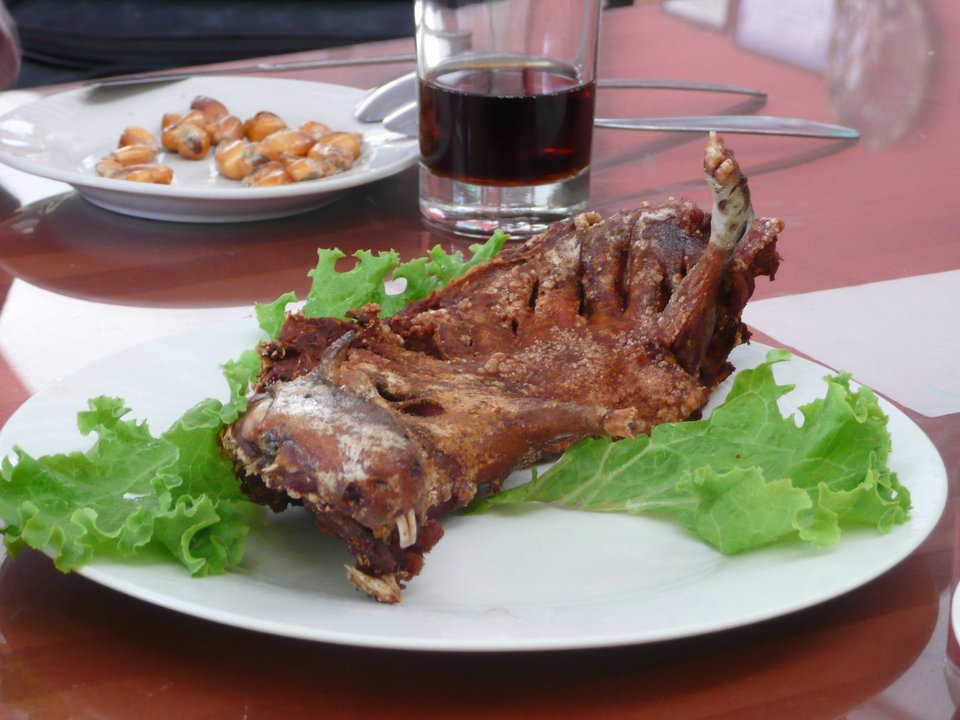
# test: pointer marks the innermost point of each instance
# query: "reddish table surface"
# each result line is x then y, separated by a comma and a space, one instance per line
855, 212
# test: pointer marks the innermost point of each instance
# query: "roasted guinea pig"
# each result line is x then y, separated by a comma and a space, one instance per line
597, 327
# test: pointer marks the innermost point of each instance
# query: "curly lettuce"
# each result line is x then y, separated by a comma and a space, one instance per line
746, 476
333, 293
133, 492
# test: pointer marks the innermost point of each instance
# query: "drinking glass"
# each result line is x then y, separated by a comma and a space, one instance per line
506, 92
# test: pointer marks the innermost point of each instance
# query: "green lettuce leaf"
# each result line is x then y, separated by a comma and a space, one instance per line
211, 517
75, 505
333, 293
270, 316
133, 493
746, 476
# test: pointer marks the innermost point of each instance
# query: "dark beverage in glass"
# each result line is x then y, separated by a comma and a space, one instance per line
507, 94
506, 122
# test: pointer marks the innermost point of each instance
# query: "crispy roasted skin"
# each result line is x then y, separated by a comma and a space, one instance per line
597, 327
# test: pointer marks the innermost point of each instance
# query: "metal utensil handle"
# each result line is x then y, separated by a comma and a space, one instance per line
753, 124
659, 84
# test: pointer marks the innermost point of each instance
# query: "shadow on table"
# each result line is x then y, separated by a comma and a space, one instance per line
72, 647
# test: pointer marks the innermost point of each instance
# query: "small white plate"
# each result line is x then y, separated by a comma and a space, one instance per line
62, 137
523, 579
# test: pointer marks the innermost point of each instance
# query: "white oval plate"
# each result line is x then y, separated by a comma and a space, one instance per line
62, 137
526, 579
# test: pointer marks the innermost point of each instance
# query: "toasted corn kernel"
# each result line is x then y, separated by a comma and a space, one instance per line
229, 127
315, 129
236, 159
170, 119
188, 140
269, 175
138, 136
212, 110
262, 124
195, 117
158, 174
108, 167
347, 140
304, 168
333, 158
286, 142
133, 154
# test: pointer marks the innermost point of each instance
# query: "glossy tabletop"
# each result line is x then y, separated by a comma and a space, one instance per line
870, 221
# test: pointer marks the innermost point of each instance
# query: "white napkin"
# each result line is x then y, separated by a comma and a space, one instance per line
900, 337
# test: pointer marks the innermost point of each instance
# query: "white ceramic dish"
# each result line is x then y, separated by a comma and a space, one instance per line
955, 614
527, 579
62, 137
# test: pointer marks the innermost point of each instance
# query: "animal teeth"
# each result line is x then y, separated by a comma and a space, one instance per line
407, 528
